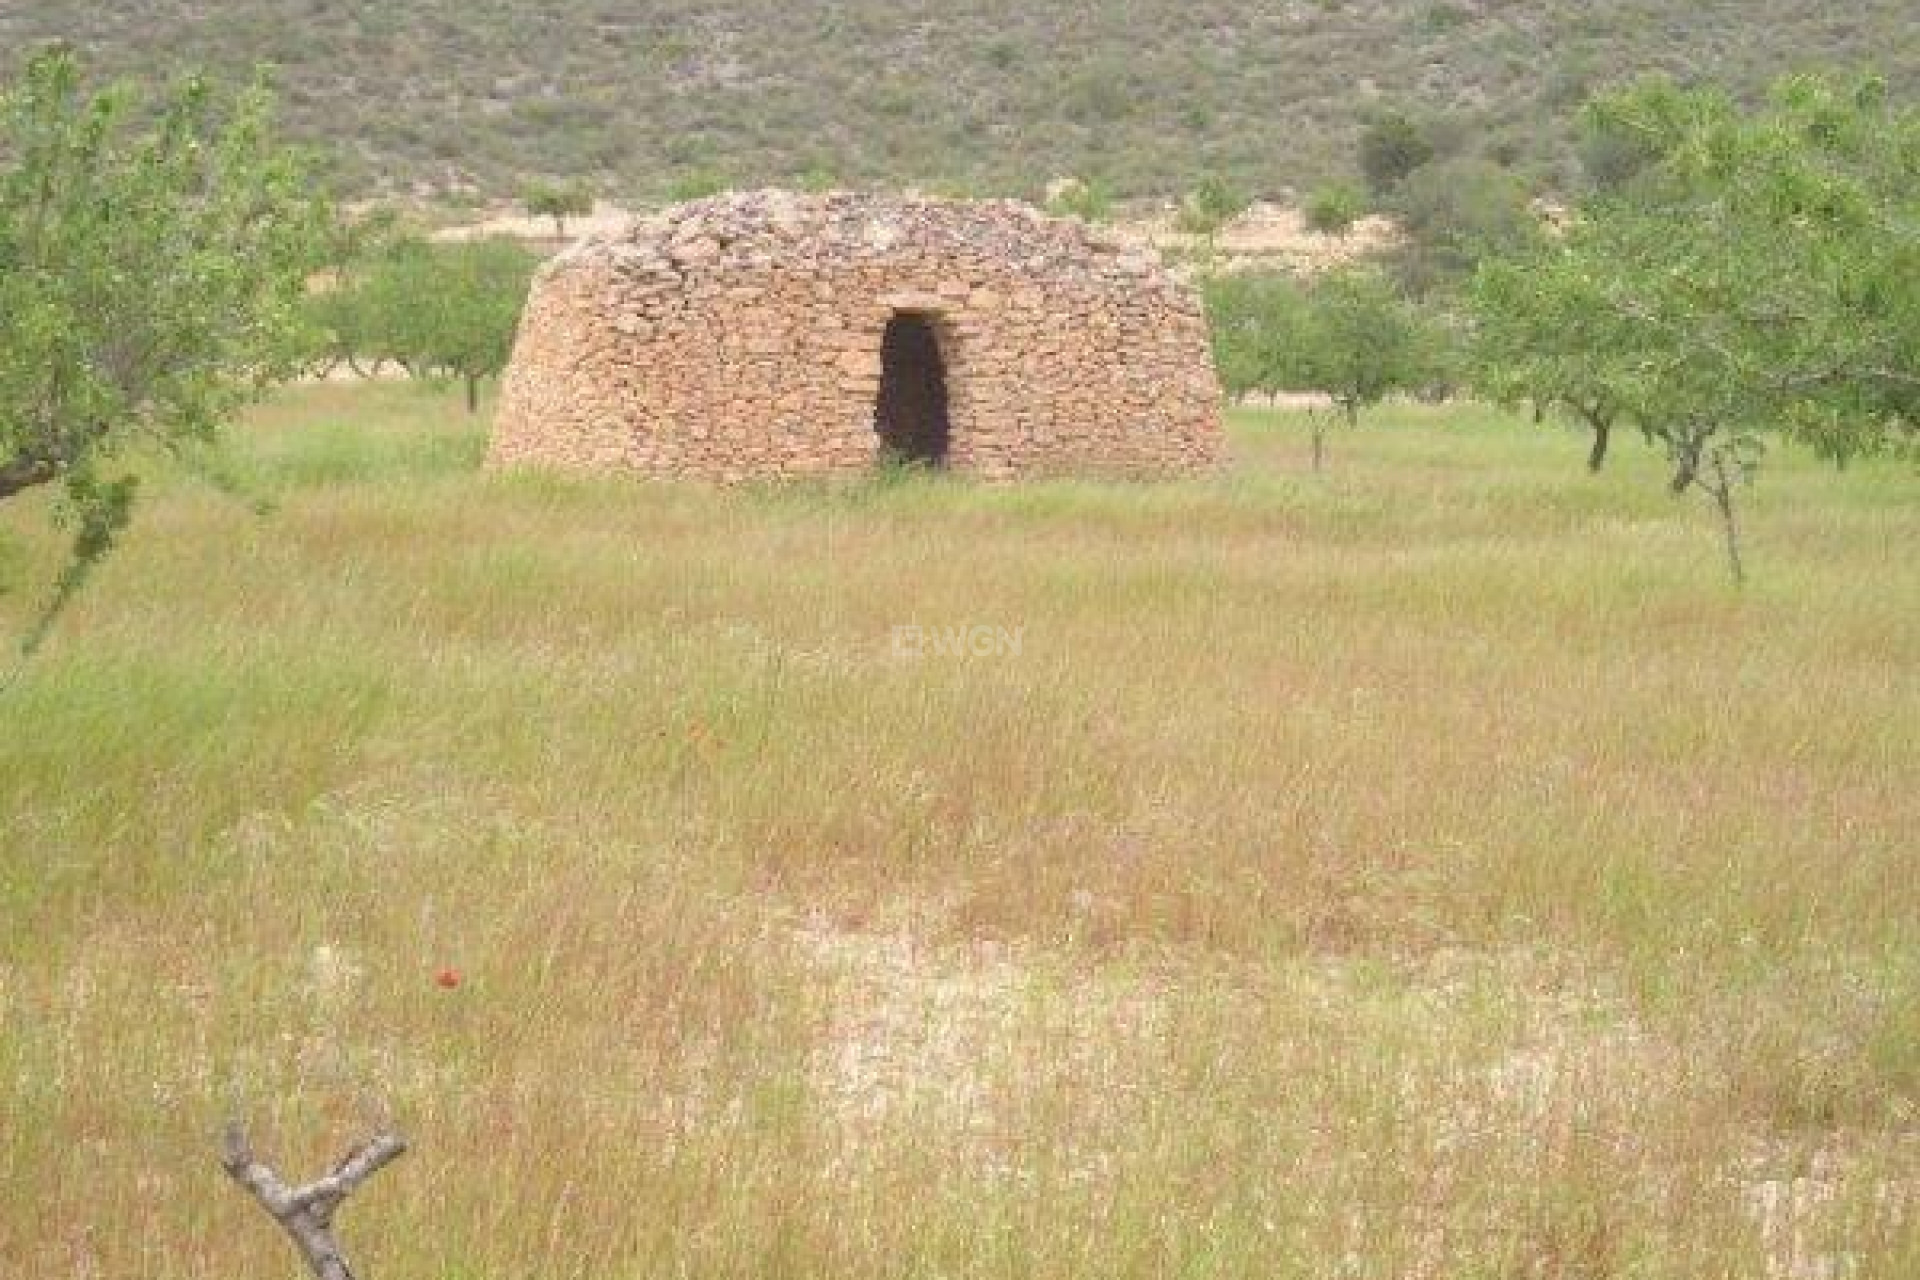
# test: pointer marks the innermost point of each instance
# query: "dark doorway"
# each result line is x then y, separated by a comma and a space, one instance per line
911, 412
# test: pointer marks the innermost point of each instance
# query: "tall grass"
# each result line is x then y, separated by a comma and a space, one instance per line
1434, 869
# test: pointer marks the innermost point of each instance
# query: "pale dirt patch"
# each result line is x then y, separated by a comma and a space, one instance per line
964, 1048
1799, 1203
1267, 237
511, 222
960, 1041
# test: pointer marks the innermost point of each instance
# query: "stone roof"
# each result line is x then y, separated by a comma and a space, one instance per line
772, 227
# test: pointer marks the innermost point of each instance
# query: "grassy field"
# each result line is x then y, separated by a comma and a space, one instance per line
1435, 869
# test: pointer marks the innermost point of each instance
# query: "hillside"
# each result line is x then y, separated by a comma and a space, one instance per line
991, 95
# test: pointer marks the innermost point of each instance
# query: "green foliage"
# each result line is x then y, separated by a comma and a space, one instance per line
1349, 336
1088, 199
1762, 275
150, 283
1454, 212
1255, 321
1102, 92
696, 184
448, 310
341, 327
557, 200
1333, 207
1210, 206
1361, 341
1393, 145
1538, 320
817, 178
1613, 152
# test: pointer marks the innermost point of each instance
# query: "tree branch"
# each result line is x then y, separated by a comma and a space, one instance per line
355, 1168
306, 1213
19, 474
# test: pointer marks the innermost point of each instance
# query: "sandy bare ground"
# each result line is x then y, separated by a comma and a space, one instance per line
1267, 235
508, 220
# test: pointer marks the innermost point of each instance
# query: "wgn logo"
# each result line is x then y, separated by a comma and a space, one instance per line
970, 641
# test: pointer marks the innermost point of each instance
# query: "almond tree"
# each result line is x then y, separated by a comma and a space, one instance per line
1349, 336
151, 271
1254, 320
1759, 276
1358, 341
449, 310
1538, 321
559, 201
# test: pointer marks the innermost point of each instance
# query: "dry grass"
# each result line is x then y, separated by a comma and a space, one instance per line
1435, 870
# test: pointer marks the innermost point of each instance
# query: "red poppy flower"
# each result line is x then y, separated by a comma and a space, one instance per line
447, 978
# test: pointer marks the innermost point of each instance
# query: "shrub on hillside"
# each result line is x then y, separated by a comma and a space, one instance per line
1210, 206
1332, 208
1454, 212
1392, 146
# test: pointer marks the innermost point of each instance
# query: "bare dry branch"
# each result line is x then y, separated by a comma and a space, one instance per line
306, 1213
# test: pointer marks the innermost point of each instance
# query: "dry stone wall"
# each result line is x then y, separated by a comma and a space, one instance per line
741, 336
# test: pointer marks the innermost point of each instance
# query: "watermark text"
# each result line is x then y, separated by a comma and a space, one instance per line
966, 640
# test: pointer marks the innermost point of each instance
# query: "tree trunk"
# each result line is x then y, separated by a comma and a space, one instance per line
1722, 493
1319, 444
1686, 468
473, 394
1602, 431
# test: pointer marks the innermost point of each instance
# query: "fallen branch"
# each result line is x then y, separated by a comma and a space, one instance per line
306, 1213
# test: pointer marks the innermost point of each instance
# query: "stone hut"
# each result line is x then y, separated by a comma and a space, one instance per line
771, 333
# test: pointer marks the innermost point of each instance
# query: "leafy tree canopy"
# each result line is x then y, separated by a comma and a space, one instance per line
151, 274
1349, 336
1361, 341
448, 310
1763, 274
1255, 320
557, 200
1454, 212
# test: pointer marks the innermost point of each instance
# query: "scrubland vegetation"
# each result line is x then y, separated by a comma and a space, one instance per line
1433, 868
991, 96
